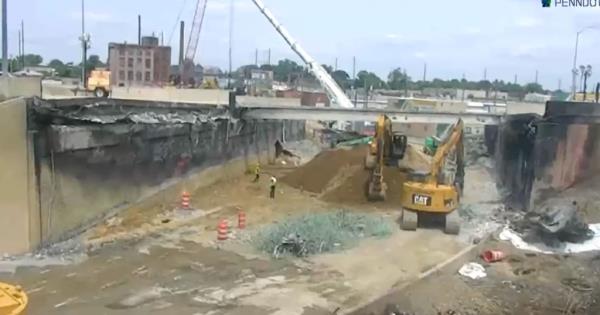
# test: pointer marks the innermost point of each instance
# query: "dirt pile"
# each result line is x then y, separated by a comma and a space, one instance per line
315, 175
338, 176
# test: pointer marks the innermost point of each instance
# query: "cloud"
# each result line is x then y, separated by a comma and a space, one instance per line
222, 6
392, 36
527, 22
527, 51
420, 55
472, 31
93, 16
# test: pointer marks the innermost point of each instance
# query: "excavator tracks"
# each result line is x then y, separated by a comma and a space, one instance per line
409, 221
452, 225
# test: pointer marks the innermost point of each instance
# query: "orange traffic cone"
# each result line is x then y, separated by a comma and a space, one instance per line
241, 220
222, 230
490, 256
185, 200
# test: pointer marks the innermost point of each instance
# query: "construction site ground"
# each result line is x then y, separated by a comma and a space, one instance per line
523, 283
154, 259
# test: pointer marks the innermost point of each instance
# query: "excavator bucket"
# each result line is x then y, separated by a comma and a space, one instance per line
376, 190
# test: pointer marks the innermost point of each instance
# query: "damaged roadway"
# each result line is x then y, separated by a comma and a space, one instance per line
155, 258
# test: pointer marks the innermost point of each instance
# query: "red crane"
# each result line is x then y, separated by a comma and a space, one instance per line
187, 75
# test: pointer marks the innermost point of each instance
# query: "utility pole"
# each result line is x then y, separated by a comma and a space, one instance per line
484, 74
4, 40
269, 56
559, 84
139, 29
18, 63
256, 57
424, 72
230, 42
22, 57
353, 69
181, 45
462, 83
336, 64
536, 77
405, 84
354, 81
84, 44
515, 79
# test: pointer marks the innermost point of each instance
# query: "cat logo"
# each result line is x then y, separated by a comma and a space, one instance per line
421, 200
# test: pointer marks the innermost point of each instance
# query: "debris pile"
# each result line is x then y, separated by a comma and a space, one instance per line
319, 233
556, 221
338, 176
475, 149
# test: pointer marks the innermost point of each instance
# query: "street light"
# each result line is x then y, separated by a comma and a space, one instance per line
574, 70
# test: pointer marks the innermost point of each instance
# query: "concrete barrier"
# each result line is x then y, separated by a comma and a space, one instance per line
172, 94
20, 87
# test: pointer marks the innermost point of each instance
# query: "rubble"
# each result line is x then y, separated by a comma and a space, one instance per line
472, 270
559, 220
319, 233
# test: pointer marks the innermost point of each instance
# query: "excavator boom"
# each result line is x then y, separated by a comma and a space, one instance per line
453, 140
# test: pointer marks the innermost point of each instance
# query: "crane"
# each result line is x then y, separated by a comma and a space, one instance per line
187, 73
336, 94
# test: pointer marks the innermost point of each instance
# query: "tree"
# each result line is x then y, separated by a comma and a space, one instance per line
94, 62
397, 79
56, 64
367, 80
342, 78
533, 88
33, 60
266, 67
285, 68
327, 68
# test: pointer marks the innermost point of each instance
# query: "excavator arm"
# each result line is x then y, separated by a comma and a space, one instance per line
453, 141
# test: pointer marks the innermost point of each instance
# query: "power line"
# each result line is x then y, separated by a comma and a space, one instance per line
176, 21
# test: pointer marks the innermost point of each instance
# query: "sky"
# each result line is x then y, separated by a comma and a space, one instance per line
454, 38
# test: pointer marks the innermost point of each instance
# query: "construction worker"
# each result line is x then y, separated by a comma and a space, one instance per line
256, 173
272, 184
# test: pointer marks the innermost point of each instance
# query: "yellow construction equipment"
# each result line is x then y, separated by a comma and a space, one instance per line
438, 191
99, 82
13, 300
386, 148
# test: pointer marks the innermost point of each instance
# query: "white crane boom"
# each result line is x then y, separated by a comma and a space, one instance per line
335, 92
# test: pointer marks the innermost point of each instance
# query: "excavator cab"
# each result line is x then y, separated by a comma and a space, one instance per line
398, 148
387, 147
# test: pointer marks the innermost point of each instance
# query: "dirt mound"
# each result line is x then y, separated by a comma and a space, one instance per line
339, 176
315, 175
352, 190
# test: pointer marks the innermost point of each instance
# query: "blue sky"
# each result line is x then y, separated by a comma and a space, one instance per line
454, 37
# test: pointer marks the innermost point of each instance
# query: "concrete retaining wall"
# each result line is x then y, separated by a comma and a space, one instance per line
19, 226
78, 186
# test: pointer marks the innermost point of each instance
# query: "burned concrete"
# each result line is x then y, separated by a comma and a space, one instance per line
95, 156
539, 157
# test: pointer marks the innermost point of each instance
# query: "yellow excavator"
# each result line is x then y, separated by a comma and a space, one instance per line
13, 300
438, 191
386, 148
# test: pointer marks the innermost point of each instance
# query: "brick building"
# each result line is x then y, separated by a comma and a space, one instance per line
138, 65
